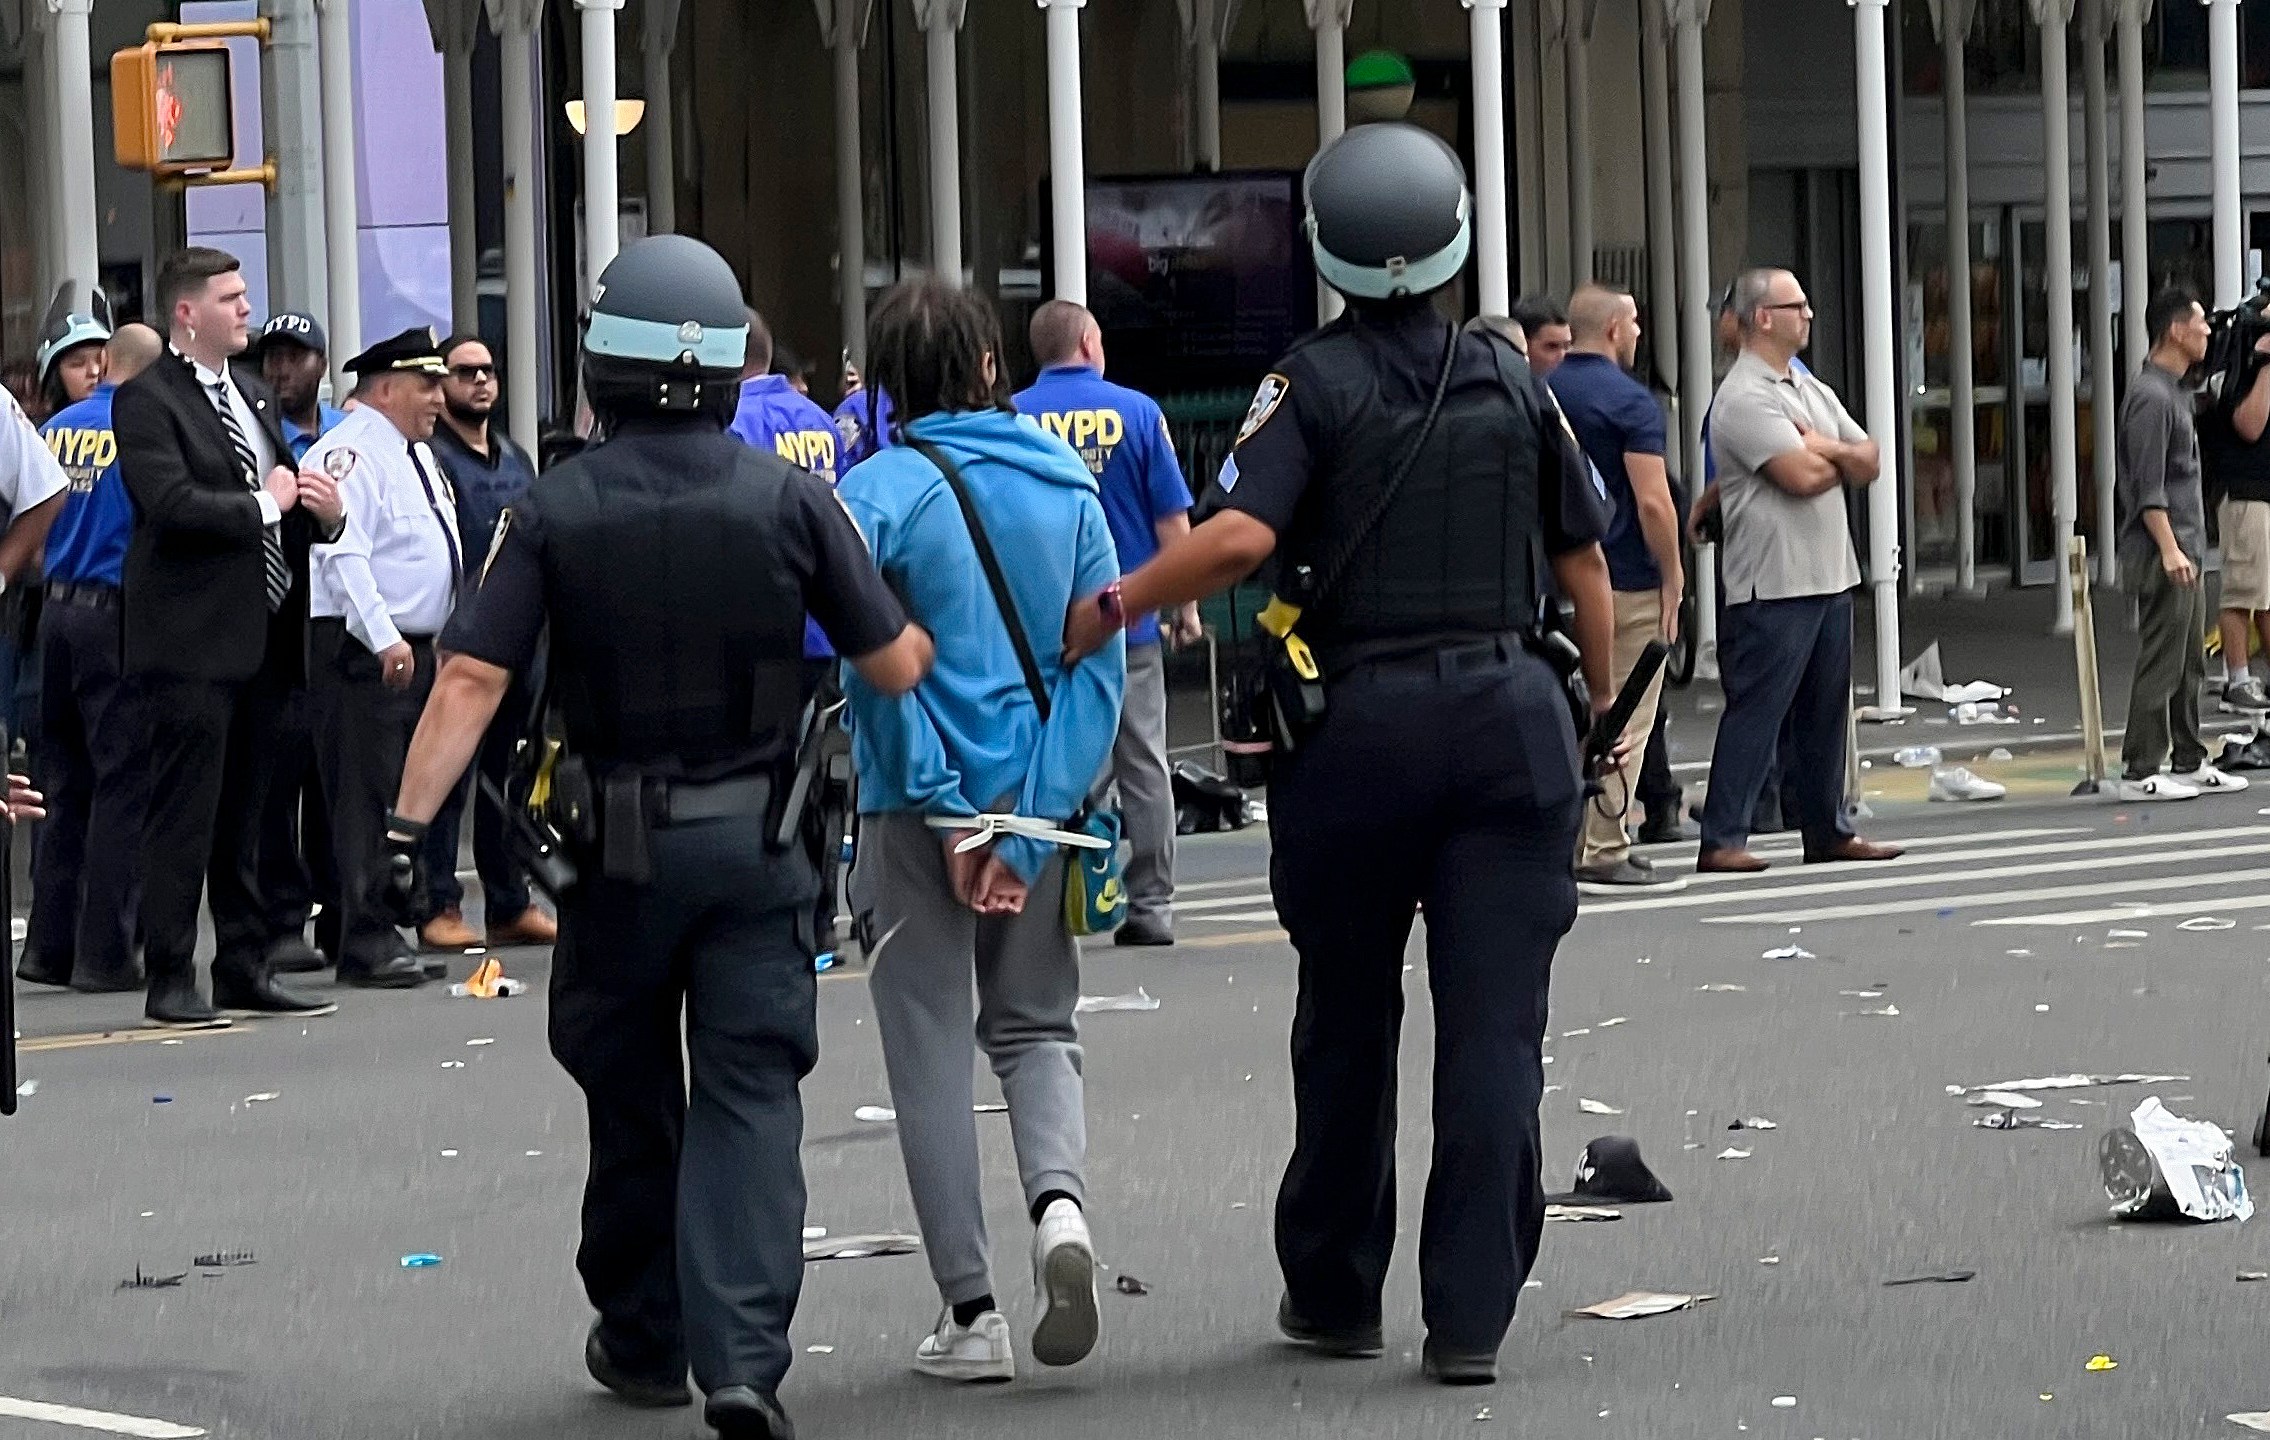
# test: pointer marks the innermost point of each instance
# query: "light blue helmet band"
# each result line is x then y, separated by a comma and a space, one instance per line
1402, 276
80, 330
658, 342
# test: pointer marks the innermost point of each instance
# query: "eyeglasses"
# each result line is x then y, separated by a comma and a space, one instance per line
1805, 305
471, 373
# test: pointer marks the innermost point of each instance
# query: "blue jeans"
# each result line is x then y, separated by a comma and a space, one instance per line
1783, 663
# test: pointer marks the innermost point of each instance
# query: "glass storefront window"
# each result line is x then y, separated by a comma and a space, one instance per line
1936, 525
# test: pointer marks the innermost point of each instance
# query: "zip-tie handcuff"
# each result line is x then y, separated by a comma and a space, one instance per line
989, 827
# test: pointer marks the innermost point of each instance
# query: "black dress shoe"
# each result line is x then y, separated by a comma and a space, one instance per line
90, 982
631, 1389
1665, 828
291, 955
740, 1413
1458, 1367
235, 993
175, 1005
35, 971
1341, 1342
396, 972
1143, 930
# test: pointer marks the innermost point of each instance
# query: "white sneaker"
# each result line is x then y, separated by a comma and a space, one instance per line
2207, 778
2153, 787
1064, 1282
977, 1353
1953, 782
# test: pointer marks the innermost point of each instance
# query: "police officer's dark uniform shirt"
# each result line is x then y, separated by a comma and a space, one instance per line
501, 620
1288, 430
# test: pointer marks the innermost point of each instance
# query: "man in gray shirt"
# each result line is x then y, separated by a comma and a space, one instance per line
2163, 541
1785, 450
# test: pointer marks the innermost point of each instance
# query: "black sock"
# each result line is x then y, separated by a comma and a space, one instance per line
1050, 1197
966, 1313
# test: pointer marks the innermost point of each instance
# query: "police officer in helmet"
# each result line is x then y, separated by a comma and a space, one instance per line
674, 567
1408, 489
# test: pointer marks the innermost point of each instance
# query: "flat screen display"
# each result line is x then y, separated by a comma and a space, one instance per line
1198, 280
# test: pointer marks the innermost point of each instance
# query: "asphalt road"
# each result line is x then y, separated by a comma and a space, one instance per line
393, 1130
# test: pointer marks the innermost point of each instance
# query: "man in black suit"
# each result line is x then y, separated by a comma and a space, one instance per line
216, 633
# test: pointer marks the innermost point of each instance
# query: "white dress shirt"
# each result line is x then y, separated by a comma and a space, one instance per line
29, 474
393, 571
255, 433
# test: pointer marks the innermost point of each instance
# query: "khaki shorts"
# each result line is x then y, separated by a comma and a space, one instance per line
2245, 526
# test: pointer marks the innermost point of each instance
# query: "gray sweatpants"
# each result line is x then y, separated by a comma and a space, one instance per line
1024, 974
1146, 787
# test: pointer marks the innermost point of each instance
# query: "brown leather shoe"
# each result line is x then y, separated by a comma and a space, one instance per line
1852, 847
530, 927
1728, 862
447, 931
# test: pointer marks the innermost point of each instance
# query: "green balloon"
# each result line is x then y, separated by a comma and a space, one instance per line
1380, 86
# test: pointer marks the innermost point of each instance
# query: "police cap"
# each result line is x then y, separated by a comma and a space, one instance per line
413, 352
292, 327
1388, 212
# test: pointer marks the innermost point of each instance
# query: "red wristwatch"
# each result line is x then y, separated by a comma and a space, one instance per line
1113, 607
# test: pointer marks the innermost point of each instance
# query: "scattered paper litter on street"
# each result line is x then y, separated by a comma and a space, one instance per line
860, 1247
1942, 1277
1638, 1304
1613, 1020
1884, 1010
2068, 1082
875, 1114
1861, 994
2012, 1120
1730, 1153
1788, 952
1597, 1107
2007, 1099
1582, 1212
1140, 1000
2251, 1419
1753, 1122
2163, 1166
1720, 989
1925, 678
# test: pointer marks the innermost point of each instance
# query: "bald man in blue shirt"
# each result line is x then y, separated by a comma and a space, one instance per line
1124, 440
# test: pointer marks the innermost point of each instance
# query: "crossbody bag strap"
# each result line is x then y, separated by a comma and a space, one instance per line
993, 576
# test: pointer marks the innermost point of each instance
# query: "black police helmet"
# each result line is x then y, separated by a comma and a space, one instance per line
668, 332
1388, 212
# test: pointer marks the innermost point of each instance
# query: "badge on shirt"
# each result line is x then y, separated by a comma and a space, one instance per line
1265, 402
496, 543
340, 463
1227, 479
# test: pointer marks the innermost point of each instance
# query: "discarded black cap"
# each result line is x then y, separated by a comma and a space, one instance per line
1610, 1172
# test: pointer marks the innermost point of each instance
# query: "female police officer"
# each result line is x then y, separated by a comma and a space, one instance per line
675, 567
1409, 481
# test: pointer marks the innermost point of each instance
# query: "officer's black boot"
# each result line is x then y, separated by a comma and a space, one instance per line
644, 1392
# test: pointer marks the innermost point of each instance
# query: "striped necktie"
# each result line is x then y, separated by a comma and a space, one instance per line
278, 573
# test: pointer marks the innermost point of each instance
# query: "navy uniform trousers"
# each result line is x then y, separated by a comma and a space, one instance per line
693, 1215
1448, 780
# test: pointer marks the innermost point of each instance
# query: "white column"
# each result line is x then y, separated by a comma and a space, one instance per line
1491, 251
2222, 131
1067, 158
335, 42
1329, 19
2135, 169
1206, 85
941, 22
2057, 280
845, 24
657, 39
1662, 248
1695, 321
73, 132
291, 95
464, 239
1576, 71
2103, 387
602, 202
1881, 337
522, 289
1962, 393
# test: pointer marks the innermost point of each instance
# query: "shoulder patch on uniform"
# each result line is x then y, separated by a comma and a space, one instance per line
496, 543
340, 463
1273, 389
847, 427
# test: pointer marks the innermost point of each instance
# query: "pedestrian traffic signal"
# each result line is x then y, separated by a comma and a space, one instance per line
173, 107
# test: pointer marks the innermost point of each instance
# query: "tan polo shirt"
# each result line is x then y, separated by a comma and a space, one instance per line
1778, 546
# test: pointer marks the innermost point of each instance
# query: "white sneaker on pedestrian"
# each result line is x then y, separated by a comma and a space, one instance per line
1064, 1281
2151, 788
1954, 782
2208, 780
976, 1353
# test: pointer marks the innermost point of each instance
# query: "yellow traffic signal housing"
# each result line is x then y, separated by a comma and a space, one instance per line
173, 107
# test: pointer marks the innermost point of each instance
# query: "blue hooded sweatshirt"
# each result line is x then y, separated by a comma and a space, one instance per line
969, 737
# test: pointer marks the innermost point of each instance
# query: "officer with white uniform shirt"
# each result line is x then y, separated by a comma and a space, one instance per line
380, 595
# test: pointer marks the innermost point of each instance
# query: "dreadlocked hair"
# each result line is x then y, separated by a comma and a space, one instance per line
927, 344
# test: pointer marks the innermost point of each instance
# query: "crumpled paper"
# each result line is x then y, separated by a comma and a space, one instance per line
2163, 1166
